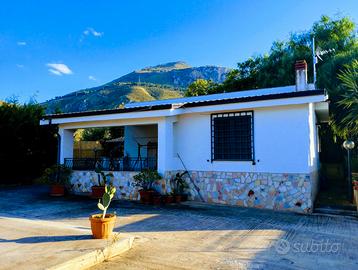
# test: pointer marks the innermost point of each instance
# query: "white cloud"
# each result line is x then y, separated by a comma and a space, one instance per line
20, 66
92, 78
91, 31
21, 43
59, 69
56, 72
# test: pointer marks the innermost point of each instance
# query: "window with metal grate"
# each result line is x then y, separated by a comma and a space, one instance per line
232, 136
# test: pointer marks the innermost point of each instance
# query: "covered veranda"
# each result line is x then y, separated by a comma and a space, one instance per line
136, 149
148, 141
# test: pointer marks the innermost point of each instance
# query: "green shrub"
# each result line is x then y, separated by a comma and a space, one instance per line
146, 178
56, 174
178, 184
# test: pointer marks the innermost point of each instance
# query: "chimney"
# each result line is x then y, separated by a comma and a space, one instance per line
301, 75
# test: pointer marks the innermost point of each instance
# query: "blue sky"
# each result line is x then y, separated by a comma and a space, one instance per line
50, 48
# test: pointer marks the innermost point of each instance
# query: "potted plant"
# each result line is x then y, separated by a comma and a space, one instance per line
354, 178
168, 198
102, 224
103, 179
58, 176
355, 195
179, 185
157, 199
145, 180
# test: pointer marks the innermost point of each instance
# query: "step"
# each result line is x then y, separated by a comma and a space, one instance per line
335, 211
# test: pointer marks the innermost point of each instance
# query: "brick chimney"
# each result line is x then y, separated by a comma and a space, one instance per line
301, 75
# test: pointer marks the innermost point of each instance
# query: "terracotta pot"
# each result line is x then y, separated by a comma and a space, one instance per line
57, 190
355, 193
97, 192
157, 200
146, 196
177, 198
184, 197
168, 199
102, 228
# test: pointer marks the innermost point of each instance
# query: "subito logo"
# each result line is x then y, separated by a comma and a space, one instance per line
282, 246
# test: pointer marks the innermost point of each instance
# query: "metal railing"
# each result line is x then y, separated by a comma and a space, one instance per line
108, 164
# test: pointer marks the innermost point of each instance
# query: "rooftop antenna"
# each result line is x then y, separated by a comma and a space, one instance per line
315, 60
316, 55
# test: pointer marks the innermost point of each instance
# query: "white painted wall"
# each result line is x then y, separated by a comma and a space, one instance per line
139, 134
166, 144
66, 145
284, 138
281, 137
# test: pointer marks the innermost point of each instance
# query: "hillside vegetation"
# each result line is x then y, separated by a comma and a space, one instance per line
152, 83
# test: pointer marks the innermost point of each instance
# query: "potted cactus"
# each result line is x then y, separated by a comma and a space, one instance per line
103, 179
58, 176
102, 224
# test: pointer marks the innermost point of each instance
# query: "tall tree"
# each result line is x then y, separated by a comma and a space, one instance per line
276, 68
26, 148
200, 87
345, 122
336, 37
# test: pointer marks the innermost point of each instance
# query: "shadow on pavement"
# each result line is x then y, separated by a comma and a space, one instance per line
46, 239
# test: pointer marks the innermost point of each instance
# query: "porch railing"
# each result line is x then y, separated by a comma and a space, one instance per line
108, 164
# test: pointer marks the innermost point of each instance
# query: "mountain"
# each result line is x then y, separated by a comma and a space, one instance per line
151, 83
175, 74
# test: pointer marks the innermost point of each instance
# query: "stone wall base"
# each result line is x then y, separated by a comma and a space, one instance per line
82, 181
277, 191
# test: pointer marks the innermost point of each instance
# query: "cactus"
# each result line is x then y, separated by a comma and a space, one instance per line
105, 177
106, 199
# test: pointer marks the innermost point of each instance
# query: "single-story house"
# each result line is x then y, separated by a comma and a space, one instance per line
256, 148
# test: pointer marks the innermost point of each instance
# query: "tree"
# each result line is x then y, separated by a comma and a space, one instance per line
95, 134
26, 148
276, 68
200, 87
345, 122
99, 134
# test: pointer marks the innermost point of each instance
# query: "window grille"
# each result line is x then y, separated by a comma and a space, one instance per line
232, 136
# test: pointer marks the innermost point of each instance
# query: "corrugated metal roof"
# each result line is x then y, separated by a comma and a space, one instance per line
223, 96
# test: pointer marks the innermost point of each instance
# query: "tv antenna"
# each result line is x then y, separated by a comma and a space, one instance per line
314, 62
316, 55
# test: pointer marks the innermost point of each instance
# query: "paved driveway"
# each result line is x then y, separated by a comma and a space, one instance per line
196, 236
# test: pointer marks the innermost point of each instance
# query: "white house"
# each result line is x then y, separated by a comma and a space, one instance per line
256, 148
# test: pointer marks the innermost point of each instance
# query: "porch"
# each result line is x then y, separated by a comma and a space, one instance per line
146, 143
135, 150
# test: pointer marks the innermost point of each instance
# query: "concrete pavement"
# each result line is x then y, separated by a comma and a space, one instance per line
192, 236
32, 238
